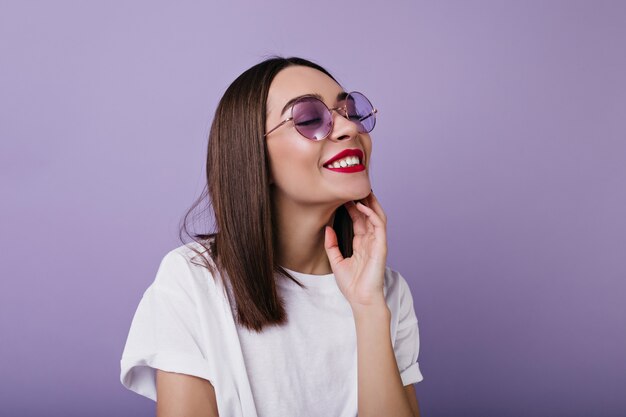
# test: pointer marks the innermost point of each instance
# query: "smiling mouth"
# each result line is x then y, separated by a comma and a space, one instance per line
348, 169
347, 161
347, 164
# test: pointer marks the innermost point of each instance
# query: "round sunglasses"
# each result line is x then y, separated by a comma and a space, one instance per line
314, 120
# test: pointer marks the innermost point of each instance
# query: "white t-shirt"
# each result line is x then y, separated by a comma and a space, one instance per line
307, 367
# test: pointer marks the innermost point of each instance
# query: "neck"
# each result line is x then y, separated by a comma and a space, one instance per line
300, 230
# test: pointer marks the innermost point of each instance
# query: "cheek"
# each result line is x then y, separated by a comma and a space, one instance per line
296, 163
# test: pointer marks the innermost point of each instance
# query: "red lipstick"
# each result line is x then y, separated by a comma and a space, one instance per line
347, 152
355, 168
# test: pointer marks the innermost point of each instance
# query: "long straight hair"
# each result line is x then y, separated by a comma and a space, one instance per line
243, 248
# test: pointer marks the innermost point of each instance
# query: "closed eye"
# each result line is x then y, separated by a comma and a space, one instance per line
309, 122
367, 116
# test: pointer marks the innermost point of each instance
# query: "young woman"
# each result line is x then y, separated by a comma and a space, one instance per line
289, 308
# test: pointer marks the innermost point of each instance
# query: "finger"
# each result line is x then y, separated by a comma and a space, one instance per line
370, 226
332, 247
359, 221
371, 215
375, 205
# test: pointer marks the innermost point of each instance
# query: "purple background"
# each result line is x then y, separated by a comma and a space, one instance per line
499, 157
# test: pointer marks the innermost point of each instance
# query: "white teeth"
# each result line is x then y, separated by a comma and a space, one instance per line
345, 162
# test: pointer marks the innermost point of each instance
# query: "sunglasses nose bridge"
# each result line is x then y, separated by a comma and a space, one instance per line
342, 129
341, 110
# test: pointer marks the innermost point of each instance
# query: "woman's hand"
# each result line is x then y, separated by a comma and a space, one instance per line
361, 276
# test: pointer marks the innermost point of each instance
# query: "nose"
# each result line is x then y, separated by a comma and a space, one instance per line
343, 128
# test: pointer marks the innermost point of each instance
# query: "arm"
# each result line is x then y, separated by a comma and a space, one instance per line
380, 390
181, 395
410, 394
360, 278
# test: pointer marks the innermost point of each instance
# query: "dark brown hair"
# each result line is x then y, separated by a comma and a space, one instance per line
243, 246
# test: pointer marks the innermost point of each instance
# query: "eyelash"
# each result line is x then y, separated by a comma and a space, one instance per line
309, 122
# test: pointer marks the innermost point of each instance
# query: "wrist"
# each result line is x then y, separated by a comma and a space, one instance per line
371, 311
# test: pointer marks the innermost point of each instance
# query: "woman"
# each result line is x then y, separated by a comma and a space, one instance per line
291, 310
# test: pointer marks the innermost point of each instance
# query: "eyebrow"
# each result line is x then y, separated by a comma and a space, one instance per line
290, 103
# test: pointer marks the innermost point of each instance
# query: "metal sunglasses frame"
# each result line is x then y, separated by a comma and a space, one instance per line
332, 123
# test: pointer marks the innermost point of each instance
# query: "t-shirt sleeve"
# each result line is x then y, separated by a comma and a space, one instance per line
165, 332
407, 342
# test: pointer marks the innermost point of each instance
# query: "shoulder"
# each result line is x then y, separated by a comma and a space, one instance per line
184, 270
189, 254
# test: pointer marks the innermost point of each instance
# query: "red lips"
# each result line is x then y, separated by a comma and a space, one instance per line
346, 152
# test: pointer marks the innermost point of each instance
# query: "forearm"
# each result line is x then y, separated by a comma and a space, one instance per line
380, 390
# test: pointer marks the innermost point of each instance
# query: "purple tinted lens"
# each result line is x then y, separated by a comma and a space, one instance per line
312, 118
361, 112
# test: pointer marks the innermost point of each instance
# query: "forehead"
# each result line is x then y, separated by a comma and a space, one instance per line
295, 81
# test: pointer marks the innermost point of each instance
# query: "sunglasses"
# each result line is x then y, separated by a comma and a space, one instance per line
314, 120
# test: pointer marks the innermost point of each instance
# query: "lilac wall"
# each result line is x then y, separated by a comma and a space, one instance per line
499, 156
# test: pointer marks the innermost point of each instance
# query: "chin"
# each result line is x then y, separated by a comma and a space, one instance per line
361, 194
358, 190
